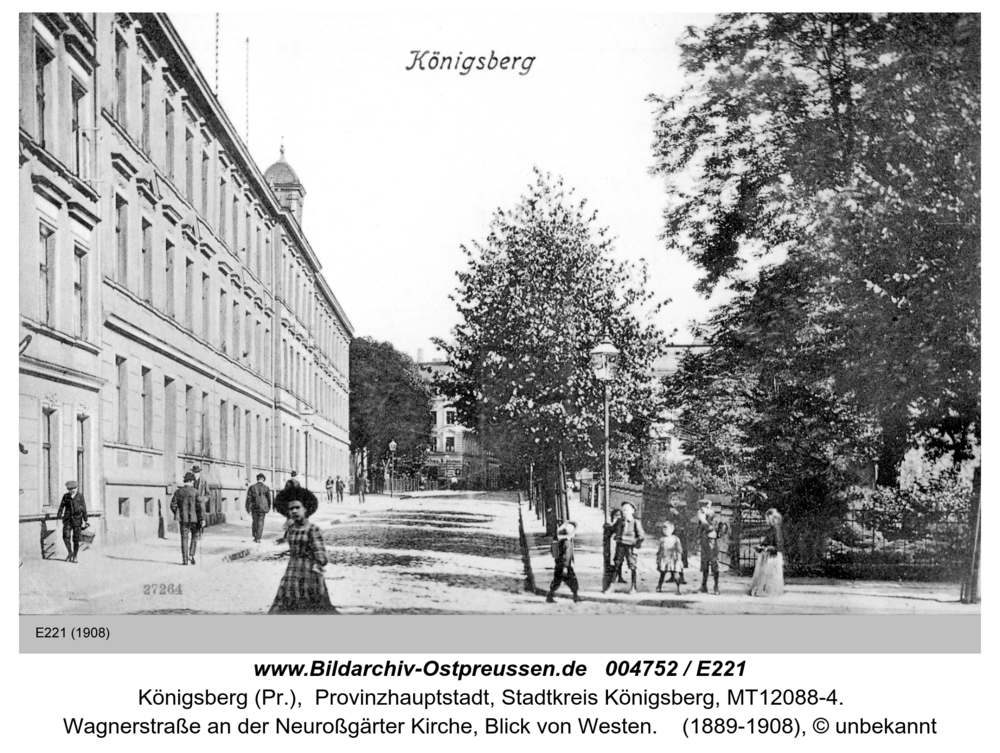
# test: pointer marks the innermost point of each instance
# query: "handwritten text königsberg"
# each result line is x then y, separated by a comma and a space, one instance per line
425, 60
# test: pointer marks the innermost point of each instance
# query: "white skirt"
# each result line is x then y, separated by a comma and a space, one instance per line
768, 575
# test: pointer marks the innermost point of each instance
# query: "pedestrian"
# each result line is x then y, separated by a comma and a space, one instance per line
668, 557
303, 587
361, 483
679, 518
294, 480
628, 536
612, 573
329, 489
189, 512
562, 551
73, 514
769, 573
709, 531
201, 487
258, 505
339, 484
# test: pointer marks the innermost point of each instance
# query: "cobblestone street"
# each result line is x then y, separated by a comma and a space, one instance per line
449, 554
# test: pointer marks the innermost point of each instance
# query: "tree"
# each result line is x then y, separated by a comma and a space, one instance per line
845, 147
538, 295
390, 401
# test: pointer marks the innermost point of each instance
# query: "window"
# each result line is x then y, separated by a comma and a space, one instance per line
259, 254
121, 239
147, 505
266, 365
189, 165
147, 407
236, 432
449, 417
248, 336
223, 311
168, 118
258, 441
81, 451
222, 209
189, 418
121, 80
223, 429
258, 345
204, 185
77, 93
189, 294
237, 353
121, 389
449, 444
43, 56
205, 305
144, 107
267, 258
168, 269
236, 228
206, 434
80, 293
147, 262
434, 444
267, 442
46, 273
249, 235
123, 507
49, 470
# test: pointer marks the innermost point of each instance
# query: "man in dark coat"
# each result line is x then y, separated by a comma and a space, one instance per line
562, 549
340, 486
710, 530
189, 512
73, 514
201, 487
258, 505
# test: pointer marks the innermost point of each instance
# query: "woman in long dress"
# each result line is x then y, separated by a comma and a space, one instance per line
769, 574
303, 587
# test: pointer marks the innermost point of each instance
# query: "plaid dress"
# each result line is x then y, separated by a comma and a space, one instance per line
302, 588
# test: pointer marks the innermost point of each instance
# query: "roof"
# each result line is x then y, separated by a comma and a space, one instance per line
281, 172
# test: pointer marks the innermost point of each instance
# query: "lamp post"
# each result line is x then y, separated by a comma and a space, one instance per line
604, 362
392, 465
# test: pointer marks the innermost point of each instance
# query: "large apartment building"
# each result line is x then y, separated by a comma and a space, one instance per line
177, 313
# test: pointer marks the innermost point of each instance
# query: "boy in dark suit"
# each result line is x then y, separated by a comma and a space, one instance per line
73, 514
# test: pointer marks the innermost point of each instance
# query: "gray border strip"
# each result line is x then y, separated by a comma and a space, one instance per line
555, 634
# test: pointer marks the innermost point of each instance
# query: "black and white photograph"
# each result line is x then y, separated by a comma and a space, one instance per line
651, 314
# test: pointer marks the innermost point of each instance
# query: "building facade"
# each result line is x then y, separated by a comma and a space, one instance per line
456, 452
178, 315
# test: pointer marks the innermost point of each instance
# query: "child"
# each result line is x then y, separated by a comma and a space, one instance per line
562, 550
628, 535
303, 587
668, 558
709, 531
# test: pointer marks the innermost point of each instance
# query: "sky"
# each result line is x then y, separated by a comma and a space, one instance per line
401, 167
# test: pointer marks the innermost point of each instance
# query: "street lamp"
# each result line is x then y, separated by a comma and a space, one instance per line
392, 464
604, 362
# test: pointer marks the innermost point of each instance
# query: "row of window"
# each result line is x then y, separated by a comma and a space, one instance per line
314, 315
53, 476
303, 377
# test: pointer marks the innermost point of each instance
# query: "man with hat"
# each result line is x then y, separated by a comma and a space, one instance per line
628, 535
258, 505
339, 485
189, 512
73, 514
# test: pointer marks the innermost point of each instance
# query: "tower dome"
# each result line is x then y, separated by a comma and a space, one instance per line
286, 185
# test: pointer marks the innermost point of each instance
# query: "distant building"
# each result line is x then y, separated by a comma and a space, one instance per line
456, 452
665, 434
178, 314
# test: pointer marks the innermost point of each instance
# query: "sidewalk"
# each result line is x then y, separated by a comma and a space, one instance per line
55, 586
802, 595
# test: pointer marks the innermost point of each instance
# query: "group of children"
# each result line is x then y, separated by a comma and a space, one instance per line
625, 530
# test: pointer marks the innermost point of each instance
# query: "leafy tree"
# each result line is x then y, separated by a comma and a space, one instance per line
846, 148
538, 295
390, 400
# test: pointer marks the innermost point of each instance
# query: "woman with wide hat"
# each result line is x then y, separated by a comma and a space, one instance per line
303, 587
769, 574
